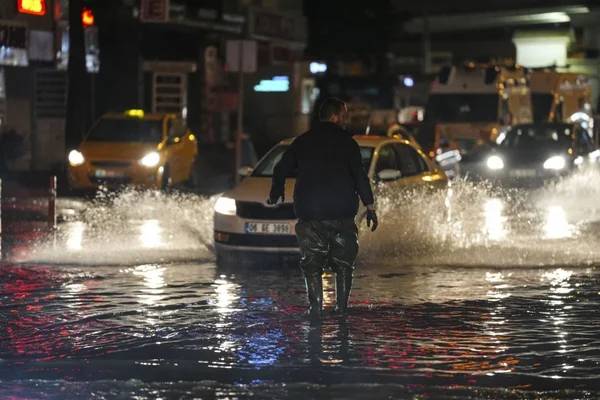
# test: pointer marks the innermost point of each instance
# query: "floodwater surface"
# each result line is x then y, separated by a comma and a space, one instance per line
468, 293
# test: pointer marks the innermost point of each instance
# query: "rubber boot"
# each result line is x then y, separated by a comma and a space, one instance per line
343, 286
314, 291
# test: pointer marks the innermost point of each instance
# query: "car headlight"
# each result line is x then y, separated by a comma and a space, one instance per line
495, 163
555, 162
150, 160
225, 206
76, 158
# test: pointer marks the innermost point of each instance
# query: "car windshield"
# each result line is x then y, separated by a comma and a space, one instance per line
266, 165
480, 107
126, 130
538, 136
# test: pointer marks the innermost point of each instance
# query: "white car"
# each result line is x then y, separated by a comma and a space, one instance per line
244, 222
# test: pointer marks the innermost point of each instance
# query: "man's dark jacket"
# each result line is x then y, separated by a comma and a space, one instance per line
329, 174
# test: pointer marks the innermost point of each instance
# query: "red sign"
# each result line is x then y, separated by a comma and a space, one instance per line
87, 17
33, 7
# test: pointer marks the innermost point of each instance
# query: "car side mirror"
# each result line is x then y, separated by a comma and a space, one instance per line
172, 139
450, 157
245, 171
389, 175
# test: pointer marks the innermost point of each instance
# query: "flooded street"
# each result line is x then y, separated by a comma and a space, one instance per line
473, 292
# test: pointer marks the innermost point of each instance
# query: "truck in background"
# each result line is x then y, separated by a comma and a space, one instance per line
467, 108
558, 96
468, 105
561, 97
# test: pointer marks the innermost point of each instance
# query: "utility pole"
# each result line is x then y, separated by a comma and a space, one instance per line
426, 44
77, 95
241, 58
240, 114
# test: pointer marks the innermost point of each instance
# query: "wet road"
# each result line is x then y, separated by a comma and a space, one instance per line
471, 293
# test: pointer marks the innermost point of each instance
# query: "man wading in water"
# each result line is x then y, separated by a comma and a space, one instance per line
329, 181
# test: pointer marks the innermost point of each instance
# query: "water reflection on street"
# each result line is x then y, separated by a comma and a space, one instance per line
521, 329
493, 297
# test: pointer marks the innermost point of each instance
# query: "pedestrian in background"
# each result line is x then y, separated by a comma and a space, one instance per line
330, 179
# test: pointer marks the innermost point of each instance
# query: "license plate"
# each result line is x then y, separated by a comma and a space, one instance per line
522, 173
268, 228
104, 173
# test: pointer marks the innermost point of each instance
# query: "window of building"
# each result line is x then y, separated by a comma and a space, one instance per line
169, 93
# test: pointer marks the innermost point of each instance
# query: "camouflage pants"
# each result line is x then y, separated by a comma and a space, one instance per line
332, 243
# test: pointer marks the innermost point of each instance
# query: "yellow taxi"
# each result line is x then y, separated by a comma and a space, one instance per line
134, 148
244, 222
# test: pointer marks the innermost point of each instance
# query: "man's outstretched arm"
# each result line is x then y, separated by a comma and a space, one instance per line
361, 180
283, 169
363, 185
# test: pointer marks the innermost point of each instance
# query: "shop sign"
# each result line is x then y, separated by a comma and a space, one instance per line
13, 45
273, 25
280, 83
154, 10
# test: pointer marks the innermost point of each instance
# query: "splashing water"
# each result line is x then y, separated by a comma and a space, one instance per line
482, 224
466, 224
133, 227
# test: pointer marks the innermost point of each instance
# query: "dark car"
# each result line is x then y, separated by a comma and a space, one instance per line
536, 152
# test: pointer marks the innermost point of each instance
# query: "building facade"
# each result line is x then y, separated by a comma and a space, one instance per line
158, 55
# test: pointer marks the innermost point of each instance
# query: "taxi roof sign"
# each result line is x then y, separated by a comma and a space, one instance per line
137, 113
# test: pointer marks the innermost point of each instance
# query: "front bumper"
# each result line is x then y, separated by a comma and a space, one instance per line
230, 234
221, 248
88, 177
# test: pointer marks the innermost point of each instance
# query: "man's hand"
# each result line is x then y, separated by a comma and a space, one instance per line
275, 201
372, 219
